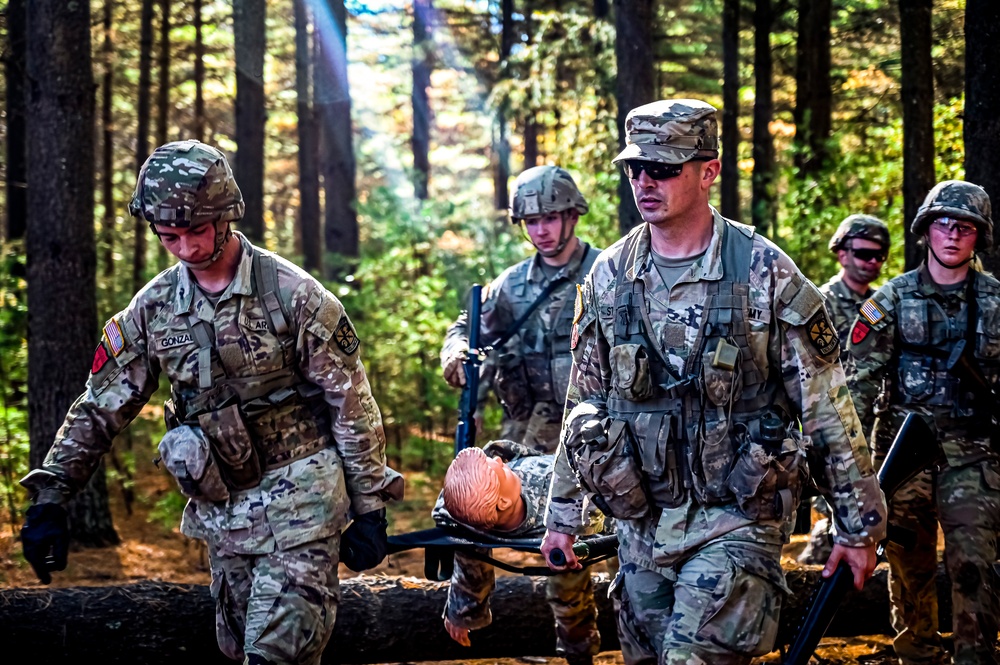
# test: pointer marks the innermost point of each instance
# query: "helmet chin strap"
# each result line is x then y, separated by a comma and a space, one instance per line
563, 240
221, 237
951, 266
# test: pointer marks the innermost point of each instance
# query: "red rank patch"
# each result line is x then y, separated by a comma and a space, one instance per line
859, 332
576, 337
100, 357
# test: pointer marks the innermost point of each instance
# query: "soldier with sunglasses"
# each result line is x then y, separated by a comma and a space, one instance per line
705, 366
861, 244
902, 344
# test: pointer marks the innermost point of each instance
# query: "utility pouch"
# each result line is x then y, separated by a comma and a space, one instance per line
768, 484
512, 388
607, 466
630, 372
720, 367
237, 455
186, 454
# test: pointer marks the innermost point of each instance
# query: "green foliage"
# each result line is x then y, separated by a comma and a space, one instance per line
167, 510
14, 444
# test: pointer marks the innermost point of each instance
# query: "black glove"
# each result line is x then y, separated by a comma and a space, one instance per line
45, 539
363, 544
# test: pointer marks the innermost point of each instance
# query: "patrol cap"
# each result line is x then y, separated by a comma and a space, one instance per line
961, 200
866, 227
185, 184
672, 131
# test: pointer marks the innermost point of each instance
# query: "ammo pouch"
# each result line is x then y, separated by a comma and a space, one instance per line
235, 451
512, 387
607, 466
630, 372
186, 453
769, 483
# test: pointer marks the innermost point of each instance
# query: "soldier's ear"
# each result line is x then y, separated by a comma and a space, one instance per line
503, 503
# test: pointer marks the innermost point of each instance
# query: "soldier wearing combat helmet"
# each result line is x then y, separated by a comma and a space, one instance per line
861, 244
901, 344
705, 366
273, 433
532, 303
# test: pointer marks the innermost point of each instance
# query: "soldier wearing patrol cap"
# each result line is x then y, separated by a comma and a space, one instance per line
273, 433
861, 244
705, 365
901, 344
532, 302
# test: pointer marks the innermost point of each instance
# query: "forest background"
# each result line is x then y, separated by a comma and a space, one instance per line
374, 143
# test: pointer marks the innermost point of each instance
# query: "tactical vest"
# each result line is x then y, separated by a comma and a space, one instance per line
546, 365
926, 335
684, 424
285, 415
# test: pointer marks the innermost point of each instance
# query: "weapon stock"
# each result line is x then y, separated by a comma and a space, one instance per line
913, 450
465, 433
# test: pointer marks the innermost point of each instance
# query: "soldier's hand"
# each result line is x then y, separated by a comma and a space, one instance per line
862, 561
554, 540
460, 635
45, 539
454, 370
363, 545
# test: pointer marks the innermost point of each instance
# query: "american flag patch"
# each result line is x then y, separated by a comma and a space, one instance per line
113, 333
872, 312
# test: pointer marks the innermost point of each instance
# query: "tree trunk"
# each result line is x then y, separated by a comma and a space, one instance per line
142, 136
635, 84
249, 42
163, 102
380, 620
917, 95
730, 201
333, 93
530, 141
16, 168
422, 61
601, 9
501, 145
309, 211
982, 99
199, 74
61, 251
108, 231
763, 214
813, 95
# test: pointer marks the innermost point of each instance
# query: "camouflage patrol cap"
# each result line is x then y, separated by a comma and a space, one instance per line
544, 189
961, 200
184, 184
866, 227
672, 131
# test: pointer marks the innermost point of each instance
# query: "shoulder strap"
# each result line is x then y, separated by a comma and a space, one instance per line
265, 284
516, 326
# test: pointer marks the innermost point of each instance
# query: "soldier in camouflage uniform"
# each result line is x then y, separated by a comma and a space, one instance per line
530, 372
500, 491
699, 349
273, 431
901, 344
861, 244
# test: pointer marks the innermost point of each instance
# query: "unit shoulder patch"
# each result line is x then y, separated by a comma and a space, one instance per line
821, 333
100, 359
347, 339
872, 312
860, 331
578, 305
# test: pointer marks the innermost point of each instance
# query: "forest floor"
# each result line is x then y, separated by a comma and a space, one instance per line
152, 547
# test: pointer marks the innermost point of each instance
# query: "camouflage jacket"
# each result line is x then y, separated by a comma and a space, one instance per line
788, 343
294, 503
533, 367
472, 581
842, 302
900, 345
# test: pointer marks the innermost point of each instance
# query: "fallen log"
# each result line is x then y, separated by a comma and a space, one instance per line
381, 620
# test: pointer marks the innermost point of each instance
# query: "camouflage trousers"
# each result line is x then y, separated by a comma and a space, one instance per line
718, 607
571, 597
540, 432
279, 606
966, 502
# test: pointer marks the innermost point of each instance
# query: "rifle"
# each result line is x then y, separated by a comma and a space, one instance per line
913, 450
465, 433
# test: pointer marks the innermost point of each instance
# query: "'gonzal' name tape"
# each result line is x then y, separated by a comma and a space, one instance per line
175, 340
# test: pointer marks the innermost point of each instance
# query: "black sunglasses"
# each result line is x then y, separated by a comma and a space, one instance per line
869, 254
655, 170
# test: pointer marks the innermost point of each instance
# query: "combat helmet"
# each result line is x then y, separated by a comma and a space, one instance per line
186, 184
544, 189
961, 200
866, 227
